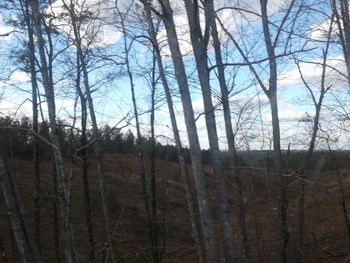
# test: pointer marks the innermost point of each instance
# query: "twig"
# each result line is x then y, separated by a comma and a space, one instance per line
293, 175
103, 136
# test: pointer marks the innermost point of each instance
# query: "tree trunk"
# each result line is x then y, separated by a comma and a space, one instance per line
207, 227
153, 186
199, 44
26, 246
96, 134
272, 96
229, 131
84, 166
36, 162
56, 226
148, 189
16, 224
191, 202
64, 206
343, 23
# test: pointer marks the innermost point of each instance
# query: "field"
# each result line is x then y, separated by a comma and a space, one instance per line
326, 234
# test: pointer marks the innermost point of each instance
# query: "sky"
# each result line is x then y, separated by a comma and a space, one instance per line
113, 99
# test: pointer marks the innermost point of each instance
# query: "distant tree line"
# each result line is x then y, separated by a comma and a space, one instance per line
16, 140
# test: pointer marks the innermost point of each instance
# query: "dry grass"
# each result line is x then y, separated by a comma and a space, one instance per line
326, 236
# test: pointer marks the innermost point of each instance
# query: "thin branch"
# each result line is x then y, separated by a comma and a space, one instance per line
104, 135
249, 63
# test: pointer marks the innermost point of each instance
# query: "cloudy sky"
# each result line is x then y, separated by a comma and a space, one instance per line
113, 98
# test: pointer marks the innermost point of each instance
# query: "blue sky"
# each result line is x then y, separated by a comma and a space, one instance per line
113, 100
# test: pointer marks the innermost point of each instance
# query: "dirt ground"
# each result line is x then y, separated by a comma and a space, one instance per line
326, 238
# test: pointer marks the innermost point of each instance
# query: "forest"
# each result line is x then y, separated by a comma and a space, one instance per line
174, 131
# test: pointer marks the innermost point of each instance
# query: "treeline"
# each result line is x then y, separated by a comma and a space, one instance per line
16, 140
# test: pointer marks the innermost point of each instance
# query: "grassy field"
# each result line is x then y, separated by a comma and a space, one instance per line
325, 233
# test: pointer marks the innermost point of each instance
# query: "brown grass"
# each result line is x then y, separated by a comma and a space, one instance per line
326, 236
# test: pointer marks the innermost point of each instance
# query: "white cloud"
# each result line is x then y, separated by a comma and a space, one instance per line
320, 31
14, 103
16, 78
253, 6
182, 31
97, 28
232, 19
19, 77
312, 73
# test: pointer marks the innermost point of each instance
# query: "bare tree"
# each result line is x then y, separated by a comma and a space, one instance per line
84, 163
228, 127
261, 45
148, 186
153, 184
191, 202
76, 25
200, 45
166, 14
307, 160
62, 180
36, 161
342, 18
270, 89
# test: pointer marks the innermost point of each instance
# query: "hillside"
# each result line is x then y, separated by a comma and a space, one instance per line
326, 236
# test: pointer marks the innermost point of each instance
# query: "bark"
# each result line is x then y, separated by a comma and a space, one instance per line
26, 246
271, 93
64, 204
200, 44
272, 96
341, 12
84, 167
158, 249
16, 224
148, 189
36, 161
97, 144
229, 131
56, 226
190, 198
207, 227
100, 172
